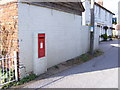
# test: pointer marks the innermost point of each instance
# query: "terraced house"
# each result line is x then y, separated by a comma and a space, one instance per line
103, 19
118, 26
40, 35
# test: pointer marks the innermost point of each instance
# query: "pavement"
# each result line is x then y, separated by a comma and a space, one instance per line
101, 72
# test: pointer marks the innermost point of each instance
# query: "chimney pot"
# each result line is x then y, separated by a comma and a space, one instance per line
100, 2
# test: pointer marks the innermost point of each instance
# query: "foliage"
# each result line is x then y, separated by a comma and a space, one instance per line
105, 37
56, 67
88, 56
27, 79
105, 27
112, 28
6, 75
4, 52
84, 57
110, 37
22, 81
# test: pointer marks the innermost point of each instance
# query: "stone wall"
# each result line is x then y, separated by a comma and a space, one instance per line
8, 27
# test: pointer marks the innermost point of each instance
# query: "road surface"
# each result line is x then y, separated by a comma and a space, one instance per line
101, 72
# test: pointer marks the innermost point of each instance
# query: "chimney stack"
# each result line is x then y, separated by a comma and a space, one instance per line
100, 2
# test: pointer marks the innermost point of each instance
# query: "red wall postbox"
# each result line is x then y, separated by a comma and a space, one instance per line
41, 45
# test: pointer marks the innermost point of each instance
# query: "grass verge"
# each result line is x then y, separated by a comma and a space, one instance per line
22, 81
84, 58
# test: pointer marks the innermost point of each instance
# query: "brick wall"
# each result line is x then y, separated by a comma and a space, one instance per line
8, 27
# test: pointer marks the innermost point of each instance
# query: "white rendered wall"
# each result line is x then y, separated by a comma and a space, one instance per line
65, 37
96, 38
119, 12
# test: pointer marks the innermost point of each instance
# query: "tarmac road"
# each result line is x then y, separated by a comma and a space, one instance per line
101, 72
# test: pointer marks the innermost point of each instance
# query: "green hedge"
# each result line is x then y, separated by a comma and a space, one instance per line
105, 37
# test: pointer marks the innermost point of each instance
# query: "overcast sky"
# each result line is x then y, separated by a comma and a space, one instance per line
111, 5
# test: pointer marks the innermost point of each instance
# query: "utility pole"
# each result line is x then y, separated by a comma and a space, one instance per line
92, 28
